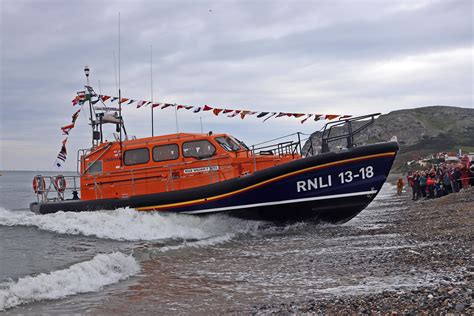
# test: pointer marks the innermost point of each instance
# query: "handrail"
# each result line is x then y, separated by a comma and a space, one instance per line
326, 137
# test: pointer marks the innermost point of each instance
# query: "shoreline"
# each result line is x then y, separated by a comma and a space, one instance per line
445, 225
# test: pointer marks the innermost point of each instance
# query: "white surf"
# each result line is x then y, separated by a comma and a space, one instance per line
129, 225
88, 276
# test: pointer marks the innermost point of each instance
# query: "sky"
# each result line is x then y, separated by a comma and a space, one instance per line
343, 57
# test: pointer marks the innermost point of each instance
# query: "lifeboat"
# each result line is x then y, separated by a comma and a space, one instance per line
206, 173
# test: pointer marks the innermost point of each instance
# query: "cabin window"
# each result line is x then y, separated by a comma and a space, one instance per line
198, 149
136, 156
165, 152
227, 143
95, 167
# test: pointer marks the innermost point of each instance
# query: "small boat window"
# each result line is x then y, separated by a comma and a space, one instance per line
227, 143
165, 152
198, 149
95, 167
136, 156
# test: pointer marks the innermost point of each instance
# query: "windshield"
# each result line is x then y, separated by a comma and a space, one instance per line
227, 143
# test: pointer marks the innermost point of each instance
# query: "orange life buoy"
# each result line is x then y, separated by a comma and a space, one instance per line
60, 183
39, 185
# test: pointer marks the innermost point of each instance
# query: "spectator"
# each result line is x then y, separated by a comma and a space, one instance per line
400, 185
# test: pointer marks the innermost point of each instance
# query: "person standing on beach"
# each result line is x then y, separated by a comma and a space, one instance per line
423, 179
416, 186
400, 185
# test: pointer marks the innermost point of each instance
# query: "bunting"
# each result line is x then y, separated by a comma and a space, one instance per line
82, 97
61, 157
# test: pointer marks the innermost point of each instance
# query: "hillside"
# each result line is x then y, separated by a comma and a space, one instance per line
420, 131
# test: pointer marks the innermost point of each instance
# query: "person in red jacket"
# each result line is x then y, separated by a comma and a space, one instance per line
465, 172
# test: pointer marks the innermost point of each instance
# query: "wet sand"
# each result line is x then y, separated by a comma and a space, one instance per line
396, 256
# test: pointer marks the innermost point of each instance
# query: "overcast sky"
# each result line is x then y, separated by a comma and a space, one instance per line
347, 57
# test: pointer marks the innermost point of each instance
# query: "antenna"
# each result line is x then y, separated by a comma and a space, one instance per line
115, 70
151, 88
87, 72
120, 94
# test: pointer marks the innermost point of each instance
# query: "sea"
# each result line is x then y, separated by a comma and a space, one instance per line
124, 261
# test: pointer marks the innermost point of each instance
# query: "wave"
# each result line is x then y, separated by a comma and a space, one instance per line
129, 225
87, 276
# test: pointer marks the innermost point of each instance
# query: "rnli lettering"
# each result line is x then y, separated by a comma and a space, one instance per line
314, 184
343, 177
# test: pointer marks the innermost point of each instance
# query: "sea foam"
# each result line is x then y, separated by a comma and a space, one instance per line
130, 225
88, 276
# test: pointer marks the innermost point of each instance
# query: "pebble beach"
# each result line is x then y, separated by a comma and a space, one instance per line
443, 230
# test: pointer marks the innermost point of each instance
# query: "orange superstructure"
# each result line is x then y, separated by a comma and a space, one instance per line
171, 162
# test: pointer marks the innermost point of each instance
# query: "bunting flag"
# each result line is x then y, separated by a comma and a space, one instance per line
307, 117
67, 128
82, 96
271, 115
140, 104
75, 116
61, 158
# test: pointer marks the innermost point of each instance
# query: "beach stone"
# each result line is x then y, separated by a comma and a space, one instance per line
459, 307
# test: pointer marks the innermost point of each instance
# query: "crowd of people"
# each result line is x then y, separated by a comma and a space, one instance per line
436, 181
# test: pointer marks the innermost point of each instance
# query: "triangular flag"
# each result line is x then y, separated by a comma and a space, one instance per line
196, 110
140, 104
75, 115
269, 117
262, 114
123, 100
227, 111
331, 116
166, 105
131, 101
216, 111
307, 117
206, 108
243, 113
281, 114
67, 128
105, 98
156, 104
297, 115
317, 117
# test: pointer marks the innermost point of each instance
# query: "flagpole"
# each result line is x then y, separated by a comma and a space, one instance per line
86, 71
151, 82
120, 94
176, 117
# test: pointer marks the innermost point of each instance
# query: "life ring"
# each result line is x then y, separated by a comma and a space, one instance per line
39, 185
60, 183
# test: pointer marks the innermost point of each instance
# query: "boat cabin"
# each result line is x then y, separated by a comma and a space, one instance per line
172, 162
